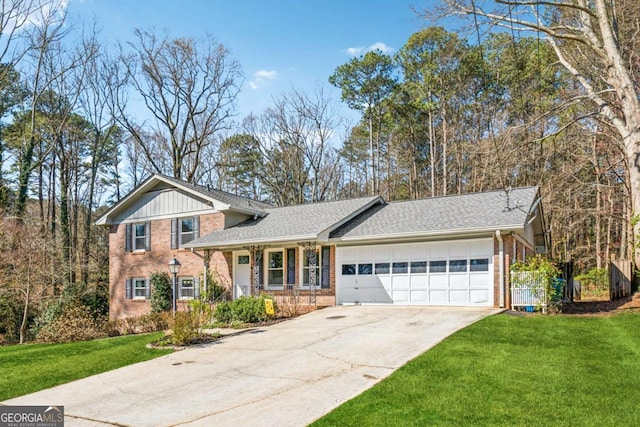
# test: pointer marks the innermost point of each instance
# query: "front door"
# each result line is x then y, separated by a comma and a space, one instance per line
242, 274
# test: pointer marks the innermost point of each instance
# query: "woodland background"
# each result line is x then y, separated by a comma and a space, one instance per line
449, 113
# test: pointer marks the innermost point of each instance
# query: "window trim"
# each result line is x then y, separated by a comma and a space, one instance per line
134, 288
192, 287
265, 263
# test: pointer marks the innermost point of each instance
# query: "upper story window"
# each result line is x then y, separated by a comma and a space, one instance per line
138, 237
184, 230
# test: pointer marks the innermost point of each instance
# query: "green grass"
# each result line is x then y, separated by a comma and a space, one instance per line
28, 368
513, 371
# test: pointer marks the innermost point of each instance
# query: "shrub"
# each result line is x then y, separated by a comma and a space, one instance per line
184, 328
161, 290
216, 291
243, 309
153, 322
75, 323
596, 279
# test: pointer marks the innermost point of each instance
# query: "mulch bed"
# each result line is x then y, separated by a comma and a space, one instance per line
631, 303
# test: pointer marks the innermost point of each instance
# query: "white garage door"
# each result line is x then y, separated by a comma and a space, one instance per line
438, 273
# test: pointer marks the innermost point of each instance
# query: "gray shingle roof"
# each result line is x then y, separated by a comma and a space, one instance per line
467, 212
288, 223
223, 196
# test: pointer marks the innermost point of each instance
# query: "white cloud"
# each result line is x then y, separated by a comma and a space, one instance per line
355, 51
261, 76
381, 47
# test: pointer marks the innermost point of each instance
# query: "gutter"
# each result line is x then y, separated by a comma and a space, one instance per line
501, 266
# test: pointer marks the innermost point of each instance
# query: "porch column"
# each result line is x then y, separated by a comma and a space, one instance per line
207, 260
255, 260
310, 254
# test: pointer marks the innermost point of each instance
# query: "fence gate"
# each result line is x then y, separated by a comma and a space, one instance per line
620, 278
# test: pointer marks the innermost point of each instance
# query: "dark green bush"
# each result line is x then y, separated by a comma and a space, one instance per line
243, 309
161, 288
10, 318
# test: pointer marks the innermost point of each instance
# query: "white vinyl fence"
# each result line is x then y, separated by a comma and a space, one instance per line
528, 290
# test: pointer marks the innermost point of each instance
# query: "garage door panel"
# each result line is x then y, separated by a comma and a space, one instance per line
385, 281
458, 296
400, 282
438, 281
458, 281
479, 280
439, 296
419, 282
420, 297
479, 296
400, 296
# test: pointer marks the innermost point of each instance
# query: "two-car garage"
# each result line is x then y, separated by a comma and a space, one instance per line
456, 273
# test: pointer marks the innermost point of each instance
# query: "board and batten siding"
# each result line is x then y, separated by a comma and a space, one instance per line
163, 204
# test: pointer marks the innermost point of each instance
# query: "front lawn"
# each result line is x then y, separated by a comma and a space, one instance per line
508, 370
28, 368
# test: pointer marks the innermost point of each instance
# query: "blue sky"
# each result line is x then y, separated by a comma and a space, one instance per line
279, 44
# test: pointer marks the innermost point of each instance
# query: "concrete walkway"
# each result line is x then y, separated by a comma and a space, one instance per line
288, 374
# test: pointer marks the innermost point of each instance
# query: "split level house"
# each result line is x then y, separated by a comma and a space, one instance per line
446, 251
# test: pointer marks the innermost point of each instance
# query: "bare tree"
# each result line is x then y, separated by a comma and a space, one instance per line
189, 88
587, 41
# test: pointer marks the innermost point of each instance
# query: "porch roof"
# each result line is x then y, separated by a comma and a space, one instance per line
288, 224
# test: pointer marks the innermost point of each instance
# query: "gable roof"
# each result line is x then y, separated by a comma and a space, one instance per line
312, 221
220, 199
446, 215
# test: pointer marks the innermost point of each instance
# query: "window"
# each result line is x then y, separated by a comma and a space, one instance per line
139, 288
187, 288
275, 268
437, 266
184, 230
400, 267
418, 267
243, 259
306, 269
138, 237
481, 264
382, 267
348, 269
365, 269
458, 266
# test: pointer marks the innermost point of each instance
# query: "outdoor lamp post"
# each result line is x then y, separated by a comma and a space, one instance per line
174, 268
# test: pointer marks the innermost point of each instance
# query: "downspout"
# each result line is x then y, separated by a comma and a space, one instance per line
501, 266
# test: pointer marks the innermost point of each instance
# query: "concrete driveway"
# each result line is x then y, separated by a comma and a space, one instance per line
288, 374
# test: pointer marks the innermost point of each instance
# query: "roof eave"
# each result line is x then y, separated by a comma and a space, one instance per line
458, 233
232, 244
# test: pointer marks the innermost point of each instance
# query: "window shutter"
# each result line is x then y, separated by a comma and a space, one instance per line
326, 267
196, 287
147, 236
174, 233
196, 227
291, 266
129, 289
147, 289
127, 238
